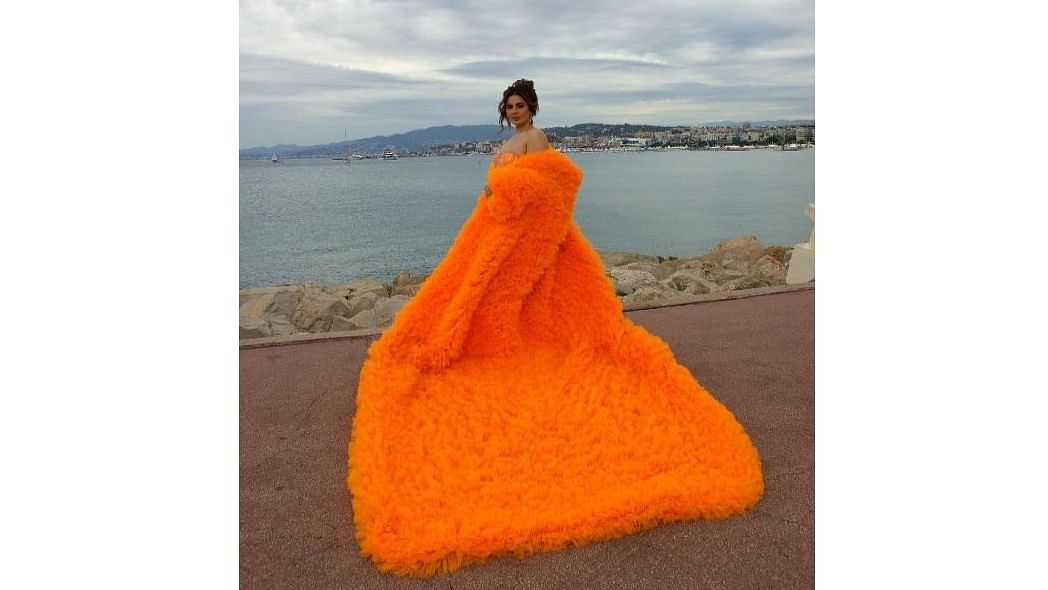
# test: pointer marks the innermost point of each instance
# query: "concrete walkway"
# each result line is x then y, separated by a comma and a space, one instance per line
756, 355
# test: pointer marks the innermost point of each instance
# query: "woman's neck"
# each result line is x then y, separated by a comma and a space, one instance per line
525, 126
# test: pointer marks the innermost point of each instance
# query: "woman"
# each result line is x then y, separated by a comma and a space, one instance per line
512, 407
519, 105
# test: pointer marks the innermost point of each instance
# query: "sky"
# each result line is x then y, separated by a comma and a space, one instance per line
311, 70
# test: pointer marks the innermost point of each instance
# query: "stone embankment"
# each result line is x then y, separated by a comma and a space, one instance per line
739, 263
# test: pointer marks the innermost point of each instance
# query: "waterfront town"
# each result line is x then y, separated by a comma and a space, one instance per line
586, 137
610, 138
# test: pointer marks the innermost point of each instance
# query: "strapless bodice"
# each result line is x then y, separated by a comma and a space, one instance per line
503, 158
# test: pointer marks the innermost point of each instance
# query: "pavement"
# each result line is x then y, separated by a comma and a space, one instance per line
755, 355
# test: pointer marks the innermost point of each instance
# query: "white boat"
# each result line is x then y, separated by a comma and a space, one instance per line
275, 159
345, 155
389, 155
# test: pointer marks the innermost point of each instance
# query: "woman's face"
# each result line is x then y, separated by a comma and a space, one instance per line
517, 110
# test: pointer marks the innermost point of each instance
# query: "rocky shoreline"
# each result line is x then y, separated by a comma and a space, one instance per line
739, 263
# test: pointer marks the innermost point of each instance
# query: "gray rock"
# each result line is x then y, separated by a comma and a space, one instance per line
776, 252
369, 318
281, 326
693, 282
392, 306
252, 327
628, 281
365, 300
659, 271
317, 309
381, 315
342, 324
649, 294
728, 286
737, 253
744, 246
405, 283
613, 258
765, 272
358, 287
408, 290
270, 301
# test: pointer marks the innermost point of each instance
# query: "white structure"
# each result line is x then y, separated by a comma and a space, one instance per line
802, 262
635, 142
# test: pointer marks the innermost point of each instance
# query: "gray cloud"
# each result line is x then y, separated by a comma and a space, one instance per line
309, 69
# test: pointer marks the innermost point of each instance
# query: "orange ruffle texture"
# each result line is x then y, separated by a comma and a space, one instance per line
513, 408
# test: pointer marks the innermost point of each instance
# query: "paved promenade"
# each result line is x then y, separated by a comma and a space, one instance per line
755, 355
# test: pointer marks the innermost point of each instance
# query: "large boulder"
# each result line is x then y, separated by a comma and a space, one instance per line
281, 326
252, 327
693, 263
721, 275
765, 272
737, 247
268, 301
612, 258
659, 271
342, 324
649, 294
776, 252
369, 318
317, 309
359, 303
693, 282
736, 253
628, 281
392, 306
381, 315
407, 290
405, 283
358, 287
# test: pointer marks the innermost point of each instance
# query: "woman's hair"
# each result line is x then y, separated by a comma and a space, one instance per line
524, 89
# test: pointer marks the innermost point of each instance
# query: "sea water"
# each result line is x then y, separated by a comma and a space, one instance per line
332, 221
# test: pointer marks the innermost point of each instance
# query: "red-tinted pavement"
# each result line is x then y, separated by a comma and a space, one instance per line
756, 355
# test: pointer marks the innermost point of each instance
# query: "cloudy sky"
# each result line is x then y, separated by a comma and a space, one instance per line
309, 69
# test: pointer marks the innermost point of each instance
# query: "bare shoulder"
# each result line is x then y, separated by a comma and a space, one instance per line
536, 140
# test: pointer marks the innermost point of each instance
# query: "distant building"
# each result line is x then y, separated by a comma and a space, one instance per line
804, 134
635, 142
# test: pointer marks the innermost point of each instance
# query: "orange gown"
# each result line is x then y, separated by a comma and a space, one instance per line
512, 408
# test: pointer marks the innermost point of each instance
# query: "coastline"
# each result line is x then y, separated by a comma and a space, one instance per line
368, 305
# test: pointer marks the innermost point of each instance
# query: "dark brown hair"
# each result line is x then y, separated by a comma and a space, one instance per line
524, 89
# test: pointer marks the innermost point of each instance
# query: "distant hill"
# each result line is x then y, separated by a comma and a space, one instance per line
450, 134
412, 140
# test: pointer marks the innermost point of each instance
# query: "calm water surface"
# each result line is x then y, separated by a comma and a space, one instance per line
325, 220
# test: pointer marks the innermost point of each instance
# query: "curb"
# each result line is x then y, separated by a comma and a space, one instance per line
691, 300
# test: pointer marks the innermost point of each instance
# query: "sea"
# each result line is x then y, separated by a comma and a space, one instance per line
331, 221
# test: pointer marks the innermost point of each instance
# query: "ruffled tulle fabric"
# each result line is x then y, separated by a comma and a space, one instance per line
512, 408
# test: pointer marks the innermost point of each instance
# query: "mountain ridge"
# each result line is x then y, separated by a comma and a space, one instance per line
448, 134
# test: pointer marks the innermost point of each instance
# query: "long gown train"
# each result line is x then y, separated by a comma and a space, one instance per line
513, 408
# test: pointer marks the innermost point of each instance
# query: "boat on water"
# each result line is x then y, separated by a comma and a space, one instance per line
275, 159
791, 147
358, 157
345, 155
389, 155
